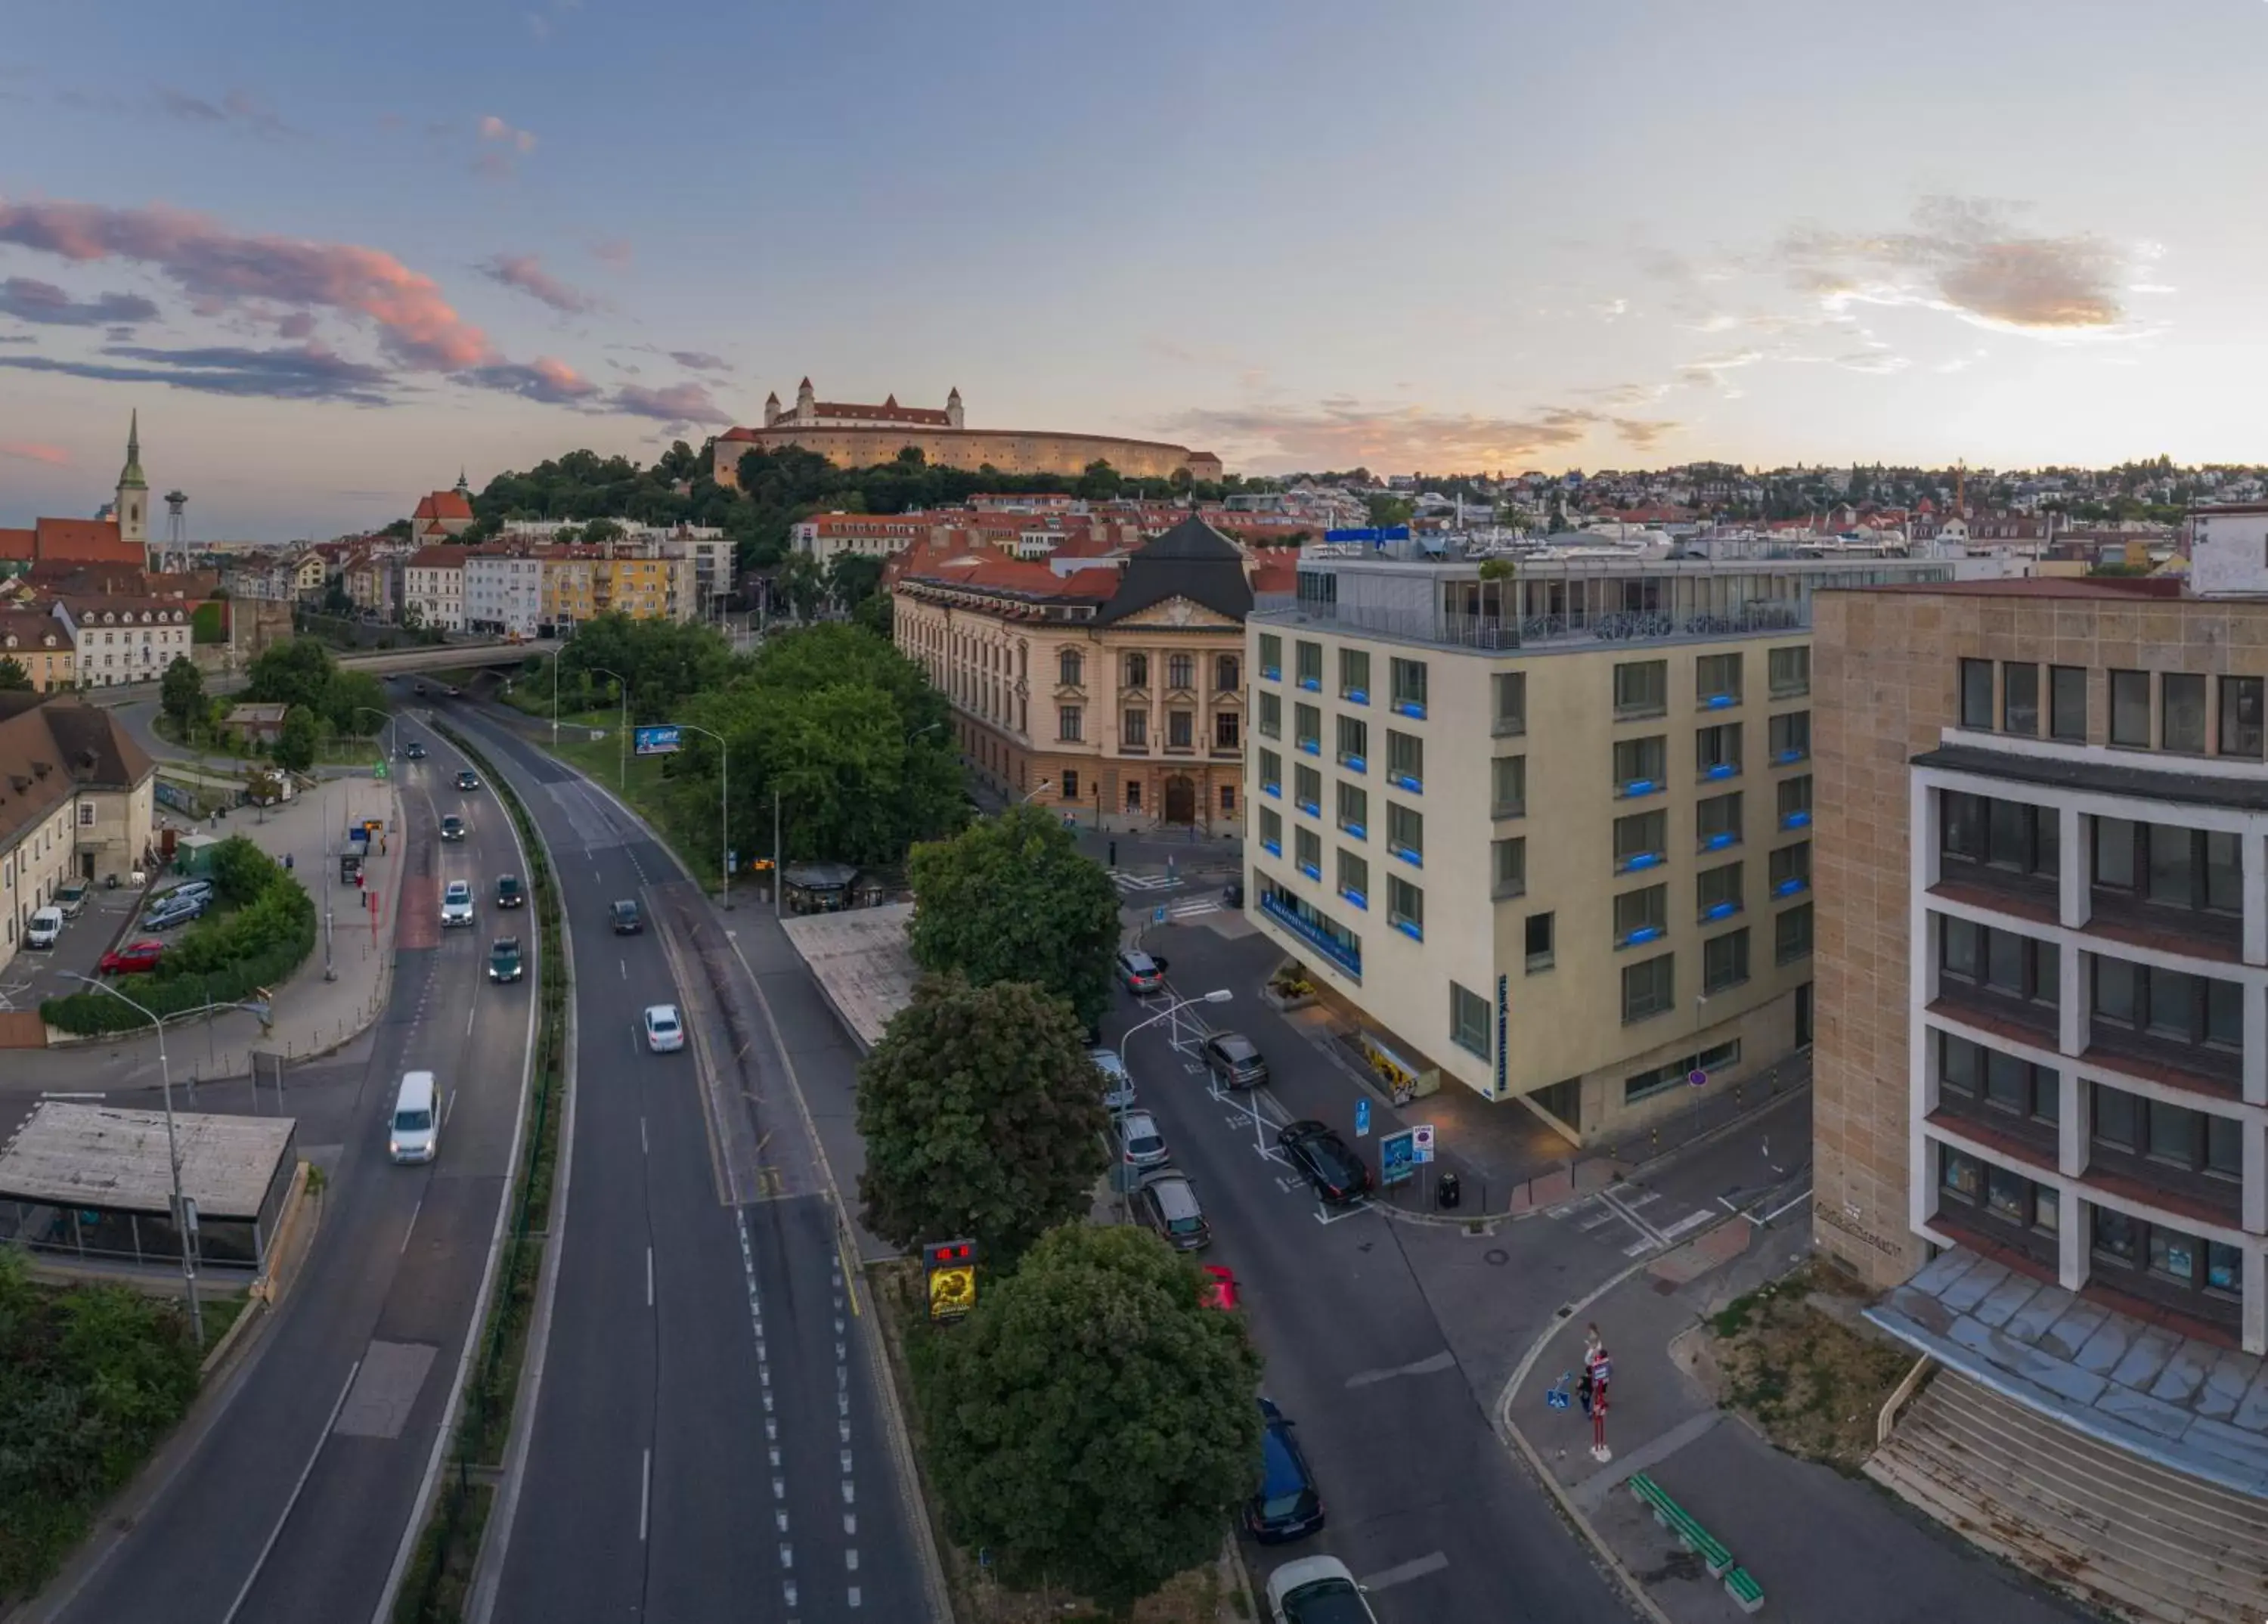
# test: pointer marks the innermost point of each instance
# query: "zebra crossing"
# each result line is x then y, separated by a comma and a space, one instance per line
1151, 887
1622, 1204
1132, 883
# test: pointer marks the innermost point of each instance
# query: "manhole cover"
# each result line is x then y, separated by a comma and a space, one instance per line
1497, 1257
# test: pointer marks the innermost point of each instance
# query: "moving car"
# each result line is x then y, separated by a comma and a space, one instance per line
455, 692
1139, 1142
504, 959
457, 902
45, 928
664, 1033
1316, 1590
453, 826
1235, 1061
72, 898
414, 1133
468, 779
1139, 972
135, 958
419, 688
1285, 1506
415, 750
1168, 1205
625, 916
1117, 1081
1337, 1174
510, 892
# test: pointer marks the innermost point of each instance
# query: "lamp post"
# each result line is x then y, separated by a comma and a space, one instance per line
1040, 788
184, 1211
724, 804
1218, 995
623, 782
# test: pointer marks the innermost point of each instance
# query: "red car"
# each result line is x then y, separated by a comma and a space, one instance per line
1219, 1289
133, 959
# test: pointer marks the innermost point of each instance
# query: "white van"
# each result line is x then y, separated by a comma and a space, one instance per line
415, 1134
47, 924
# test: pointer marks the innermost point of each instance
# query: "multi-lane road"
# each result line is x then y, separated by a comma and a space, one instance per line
709, 1438
292, 1503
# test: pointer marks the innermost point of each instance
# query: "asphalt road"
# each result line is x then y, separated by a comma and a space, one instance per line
291, 1507
707, 1442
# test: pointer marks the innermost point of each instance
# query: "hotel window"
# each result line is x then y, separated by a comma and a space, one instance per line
1976, 693
1716, 751
1640, 765
1134, 730
1509, 689
1354, 809
1271, 656
1354, 744
1137, 670
1790, 672
2006, 962
1354, 676
1409, 679
1469, 1021
1354, 878
1641, 840
2143, 1001
2020, 697
1998, 1079
1716, 891
2199, 869
1310, 674
1508, 786
2173, 1256
2130, 709
1181, 671
1538, 937
1649, 989
1508, 861
1225, 729
2240, 716
1717, 680
1307, 728
1794, 796
1405, 906
1405, 832
2197, 1141
2005, 834
1791, 737
1792, 935
1405, 761
1272, 773
1642, 915
1307, 789
1724, 960
1227, 674
1790, 870
1271, 830
1069, 669
1717, 821
1271, 715
1641, 687
1180, 730
1308, 848
1069, 718
2181, 695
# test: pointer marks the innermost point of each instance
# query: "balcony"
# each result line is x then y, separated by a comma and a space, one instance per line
1799, 818
1274, 848
1717, 911
1355, 696
1314, 871
1309, 747
1272, 788
1272, 674
1313, 685
1415, 709
1789, 757
1313, 808
1359, 831
1408, 781
1794, 885
1639, 937
1356, 898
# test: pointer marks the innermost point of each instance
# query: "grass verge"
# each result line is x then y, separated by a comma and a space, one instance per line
642, 782
441, 1570
1789, 1358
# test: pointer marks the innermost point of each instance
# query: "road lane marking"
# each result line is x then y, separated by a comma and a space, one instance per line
305, 1472
1403, 1572
648, 1277
645, 1493
643, 1149
1430, 1365
1693, 1220
412, 1229
469, 1014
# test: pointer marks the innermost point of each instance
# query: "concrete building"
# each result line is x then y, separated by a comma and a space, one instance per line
504, 590
1113, 689
1547, 833
433, 587
123, 639
824, 536
74, 803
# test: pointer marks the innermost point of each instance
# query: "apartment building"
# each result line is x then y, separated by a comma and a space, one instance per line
1548, 832
504, 591
2044, 952
74, 803
433, 587
43, 644
123, 639
824, 536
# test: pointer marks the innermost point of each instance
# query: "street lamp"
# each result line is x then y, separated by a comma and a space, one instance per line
183, 1211
723, 814
624, 781
1040, 788
1218, 995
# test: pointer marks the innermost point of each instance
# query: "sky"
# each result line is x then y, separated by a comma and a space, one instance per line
334, 254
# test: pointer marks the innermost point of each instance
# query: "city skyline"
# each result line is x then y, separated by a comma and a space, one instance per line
1530, 241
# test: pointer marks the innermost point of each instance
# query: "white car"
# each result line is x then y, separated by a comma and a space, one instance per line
457, 902
1316, 1590
1118, 1083
664, 1033
47, 924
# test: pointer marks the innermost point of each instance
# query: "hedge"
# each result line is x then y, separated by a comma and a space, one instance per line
220, 960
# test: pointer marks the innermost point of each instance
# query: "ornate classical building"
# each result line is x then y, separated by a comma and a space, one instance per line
851, 435
1111, 686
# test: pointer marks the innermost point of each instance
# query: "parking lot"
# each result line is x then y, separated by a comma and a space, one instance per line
36, 974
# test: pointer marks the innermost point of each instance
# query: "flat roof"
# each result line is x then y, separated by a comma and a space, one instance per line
72, 1155
2113, 589
862, 964
2244, 795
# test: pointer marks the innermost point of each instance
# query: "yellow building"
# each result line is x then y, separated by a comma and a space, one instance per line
568, 582
580, 582
41, 644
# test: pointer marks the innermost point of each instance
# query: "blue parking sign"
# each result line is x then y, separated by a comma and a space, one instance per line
1361, 1118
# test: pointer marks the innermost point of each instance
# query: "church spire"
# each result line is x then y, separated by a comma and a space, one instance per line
130, 475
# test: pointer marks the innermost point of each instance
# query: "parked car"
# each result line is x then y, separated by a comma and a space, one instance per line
468, 779
1139, 1142
1337, 1174
45, 928
664, 1033
625, 916
1117, 1081
1286, 1505
182, 892
176, 909
72, 898
457, 902
1168, 1205
510, 892
134, 959
453, 826
1235, 1061
1140, 974
1316, 1590
1220, 1290
415, 750
504, 959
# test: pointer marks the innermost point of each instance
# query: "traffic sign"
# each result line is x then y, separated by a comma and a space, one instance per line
1158, 914
1421, 1140
1397, 1158
1361, 1118
732, 860
1697, 1078
378, 769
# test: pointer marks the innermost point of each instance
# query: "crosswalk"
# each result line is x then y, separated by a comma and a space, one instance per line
1132, 883
1627, 1205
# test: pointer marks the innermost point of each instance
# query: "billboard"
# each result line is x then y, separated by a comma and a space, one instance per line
654, 741
1390, 533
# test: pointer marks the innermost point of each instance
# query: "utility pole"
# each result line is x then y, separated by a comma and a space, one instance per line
778, 875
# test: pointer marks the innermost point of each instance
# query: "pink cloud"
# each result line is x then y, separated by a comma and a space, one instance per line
217, 267
494, 129
522, 271
33, 451
613, 251
679, 403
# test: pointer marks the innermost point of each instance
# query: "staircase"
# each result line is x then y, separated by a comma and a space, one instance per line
2125, 1535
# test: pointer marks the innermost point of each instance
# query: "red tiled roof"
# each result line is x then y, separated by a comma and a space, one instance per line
31, 627
1273, 576
438, 559
18, 544
87, 541
443, 505
739, 434
890, 411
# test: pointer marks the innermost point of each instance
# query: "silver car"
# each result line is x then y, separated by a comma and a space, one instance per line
1117, 1081
1140, 1145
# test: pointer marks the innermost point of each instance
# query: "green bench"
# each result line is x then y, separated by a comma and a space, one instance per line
1742, 1586
1681, 1525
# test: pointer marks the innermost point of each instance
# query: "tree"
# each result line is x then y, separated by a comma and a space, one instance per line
13, 678
400, 529
297, 743
1388, 510
602, 530
1100, 482
295, 671
1011, 898
182, 692
852, 577
349, 698
981, 1116
1090, 1423
799, 582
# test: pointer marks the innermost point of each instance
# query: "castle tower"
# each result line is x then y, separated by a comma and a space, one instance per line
771, 409
806, 402
953, 407
132, 508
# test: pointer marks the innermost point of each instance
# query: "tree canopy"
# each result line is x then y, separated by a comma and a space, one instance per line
1090, 1423
982, 1117
300, 671
666, 663
1011, 898
13, 678
181, 691
298, 741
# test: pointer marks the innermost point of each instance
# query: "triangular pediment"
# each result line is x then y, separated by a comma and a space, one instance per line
1180, 614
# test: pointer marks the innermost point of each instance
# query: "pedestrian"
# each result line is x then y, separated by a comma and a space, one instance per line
1591, 1343
1583, 1388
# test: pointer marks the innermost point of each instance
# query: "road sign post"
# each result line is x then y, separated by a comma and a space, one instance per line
1421, 1142
1362, 1119
1397, 1158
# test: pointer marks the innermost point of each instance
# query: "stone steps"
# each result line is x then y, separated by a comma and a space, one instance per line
2122, 1533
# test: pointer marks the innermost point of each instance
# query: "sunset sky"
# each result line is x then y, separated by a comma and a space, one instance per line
334, 253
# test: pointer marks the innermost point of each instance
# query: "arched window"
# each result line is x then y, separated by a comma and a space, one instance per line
1137, 670
1069, 668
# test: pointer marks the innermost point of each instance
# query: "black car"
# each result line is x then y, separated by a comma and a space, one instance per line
468, 779
1285, 1506
414, 750
453, 826
1322, 1157
1235, 1061
627, 923
510, 892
